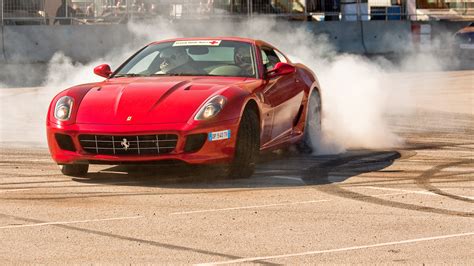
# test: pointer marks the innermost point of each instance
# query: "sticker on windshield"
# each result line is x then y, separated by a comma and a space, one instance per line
219, 135
198, 42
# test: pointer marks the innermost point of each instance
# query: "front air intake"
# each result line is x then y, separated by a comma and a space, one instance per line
195, 142
65, 142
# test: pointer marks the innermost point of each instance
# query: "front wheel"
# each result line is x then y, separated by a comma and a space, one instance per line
247, 146
312, 129
76, 170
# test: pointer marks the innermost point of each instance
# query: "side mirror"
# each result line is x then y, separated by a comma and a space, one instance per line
280, 69
103, 70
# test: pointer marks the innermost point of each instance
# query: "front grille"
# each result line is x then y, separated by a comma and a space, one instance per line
129, 145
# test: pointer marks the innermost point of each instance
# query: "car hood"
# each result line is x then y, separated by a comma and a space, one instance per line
148, 100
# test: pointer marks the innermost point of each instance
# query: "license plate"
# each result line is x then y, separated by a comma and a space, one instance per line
219, 135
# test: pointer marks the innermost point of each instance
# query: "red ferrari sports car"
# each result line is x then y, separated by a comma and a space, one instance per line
195, 100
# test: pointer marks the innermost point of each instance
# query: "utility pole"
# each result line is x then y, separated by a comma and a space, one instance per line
1, 10
249, 7
358, 10
127, 9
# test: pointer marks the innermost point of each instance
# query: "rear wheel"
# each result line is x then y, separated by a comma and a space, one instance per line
312, 129
76, 170
247, 146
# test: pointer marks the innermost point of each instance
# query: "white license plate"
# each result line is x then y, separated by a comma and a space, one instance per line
466, 46
219, 135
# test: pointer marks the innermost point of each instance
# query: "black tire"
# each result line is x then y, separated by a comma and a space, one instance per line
247, 147
312, 128
76, 170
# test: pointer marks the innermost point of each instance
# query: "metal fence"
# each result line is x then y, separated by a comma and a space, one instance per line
66, 12
24, 11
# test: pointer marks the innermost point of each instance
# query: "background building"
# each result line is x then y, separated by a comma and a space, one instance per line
119, 11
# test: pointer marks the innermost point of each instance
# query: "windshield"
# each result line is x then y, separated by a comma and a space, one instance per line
192, 58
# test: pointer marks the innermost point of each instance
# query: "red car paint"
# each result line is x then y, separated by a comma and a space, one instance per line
168, 104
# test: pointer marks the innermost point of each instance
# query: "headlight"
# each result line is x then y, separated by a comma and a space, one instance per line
211, 108
63, 108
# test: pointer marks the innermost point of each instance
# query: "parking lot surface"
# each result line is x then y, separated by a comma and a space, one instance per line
412, 204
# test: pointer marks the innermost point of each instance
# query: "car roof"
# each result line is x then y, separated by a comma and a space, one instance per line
227, 38
467, 29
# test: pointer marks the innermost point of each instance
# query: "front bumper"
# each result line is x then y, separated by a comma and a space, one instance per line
217, 151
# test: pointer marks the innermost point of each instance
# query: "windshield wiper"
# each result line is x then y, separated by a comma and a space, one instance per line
183, 74
128, 75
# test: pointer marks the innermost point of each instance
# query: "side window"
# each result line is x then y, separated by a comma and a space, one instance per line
281, 57
265, 59
269, 58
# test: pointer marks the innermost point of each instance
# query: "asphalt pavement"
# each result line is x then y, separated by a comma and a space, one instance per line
412, 204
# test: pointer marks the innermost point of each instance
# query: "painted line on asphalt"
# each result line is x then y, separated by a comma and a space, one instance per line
13, 190
389, 194
250, 207
70, 222
315, 252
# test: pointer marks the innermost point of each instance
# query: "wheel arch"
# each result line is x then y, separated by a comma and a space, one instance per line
302, 121
252, 105
315, 87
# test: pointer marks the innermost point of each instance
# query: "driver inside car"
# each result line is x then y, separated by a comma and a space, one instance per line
243, 59
177, 61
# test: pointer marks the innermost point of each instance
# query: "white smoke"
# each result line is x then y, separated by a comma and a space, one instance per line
64, 73
356, 105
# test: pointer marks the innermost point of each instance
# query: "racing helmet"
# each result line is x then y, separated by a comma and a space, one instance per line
242, 56
172, 58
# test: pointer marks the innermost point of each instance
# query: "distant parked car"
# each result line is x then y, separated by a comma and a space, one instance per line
464, 42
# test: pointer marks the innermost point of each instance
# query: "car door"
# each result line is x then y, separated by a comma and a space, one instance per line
282, 93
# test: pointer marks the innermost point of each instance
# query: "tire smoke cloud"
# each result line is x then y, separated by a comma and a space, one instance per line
356, 96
